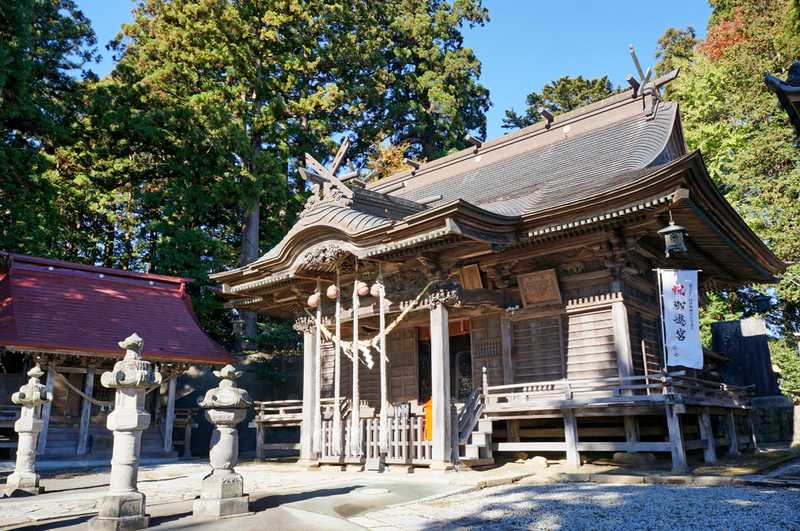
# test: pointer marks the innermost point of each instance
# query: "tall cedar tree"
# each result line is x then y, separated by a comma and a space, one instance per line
189, 149
43, 44
560, 96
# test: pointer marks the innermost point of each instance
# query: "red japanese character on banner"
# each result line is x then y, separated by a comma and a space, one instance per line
679, 289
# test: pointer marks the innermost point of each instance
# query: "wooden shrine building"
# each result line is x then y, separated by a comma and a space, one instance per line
519, 297
68, 318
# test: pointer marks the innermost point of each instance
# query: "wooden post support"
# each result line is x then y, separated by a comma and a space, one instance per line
187, 438
631, 432
707, 435
86, 413
751, 426
355, 448
733, 437
440, 383
42, 444
571, 438
317, 406
506, 342
169, 418
309, 397
679, 464
337, 375
512, 430
384, 375
260, 440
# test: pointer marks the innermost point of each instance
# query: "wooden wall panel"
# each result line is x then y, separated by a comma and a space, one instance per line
326, 369
402, 347
537, 351
590, 349
644, 326
487, 351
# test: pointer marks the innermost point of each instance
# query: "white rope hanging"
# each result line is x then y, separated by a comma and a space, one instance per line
104, 405
365, 346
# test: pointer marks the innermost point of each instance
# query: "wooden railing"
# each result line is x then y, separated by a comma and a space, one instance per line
406, 443
8, 416
652, 387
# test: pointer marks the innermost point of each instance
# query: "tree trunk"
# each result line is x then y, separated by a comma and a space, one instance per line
252, 218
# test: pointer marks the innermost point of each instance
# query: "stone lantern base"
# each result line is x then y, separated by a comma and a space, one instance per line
222, 494
22, 484
121, 512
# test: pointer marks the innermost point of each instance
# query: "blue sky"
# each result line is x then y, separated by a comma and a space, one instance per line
526, 44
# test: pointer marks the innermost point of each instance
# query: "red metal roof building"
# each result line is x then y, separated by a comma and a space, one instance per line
69, 318
61, 307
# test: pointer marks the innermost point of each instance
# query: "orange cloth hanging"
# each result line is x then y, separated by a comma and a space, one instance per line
428, 407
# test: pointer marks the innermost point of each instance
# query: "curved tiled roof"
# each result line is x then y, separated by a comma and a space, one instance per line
569, 169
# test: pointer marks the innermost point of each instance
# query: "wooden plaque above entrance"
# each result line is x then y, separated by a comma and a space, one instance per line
539, 287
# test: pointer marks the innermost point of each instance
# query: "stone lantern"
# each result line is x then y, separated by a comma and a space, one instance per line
30, 396
222, 492
124, 506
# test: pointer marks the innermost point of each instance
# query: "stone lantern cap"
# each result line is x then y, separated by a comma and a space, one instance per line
33, 393
227, 395
133, 370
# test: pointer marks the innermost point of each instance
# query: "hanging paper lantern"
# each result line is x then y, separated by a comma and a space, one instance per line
313, 300
362, 289
332, 291
375, 290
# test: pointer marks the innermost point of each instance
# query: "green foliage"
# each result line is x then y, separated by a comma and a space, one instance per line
739, 127
560, 96
209, 110
42, 46
676, 48
785, 356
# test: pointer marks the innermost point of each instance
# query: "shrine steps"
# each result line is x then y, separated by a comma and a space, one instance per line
62, 441
478, 448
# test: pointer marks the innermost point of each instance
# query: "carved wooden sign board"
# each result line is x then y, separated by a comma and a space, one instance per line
539, 287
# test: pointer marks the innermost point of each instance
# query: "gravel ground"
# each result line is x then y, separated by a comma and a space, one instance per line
599, 507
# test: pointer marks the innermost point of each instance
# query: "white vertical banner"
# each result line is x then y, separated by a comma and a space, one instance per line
681, 315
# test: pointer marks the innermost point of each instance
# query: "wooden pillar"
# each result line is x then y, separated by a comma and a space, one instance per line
707, 435
187, 438
679, 464
571, 438
169, 418
317, 406
506, 344
440, 383
86, 413
42, 444
337, 375
309, 394
733, 437
622, 345
260, 439
355, 447
631, 432
512, 430
752, 427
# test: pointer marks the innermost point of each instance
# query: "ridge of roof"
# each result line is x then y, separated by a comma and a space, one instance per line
21, 259
620, 99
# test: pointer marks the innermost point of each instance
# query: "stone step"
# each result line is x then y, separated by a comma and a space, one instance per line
481, 461
472, 452
481, 439
485, 425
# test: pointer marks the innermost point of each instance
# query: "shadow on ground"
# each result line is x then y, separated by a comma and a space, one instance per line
604, 506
